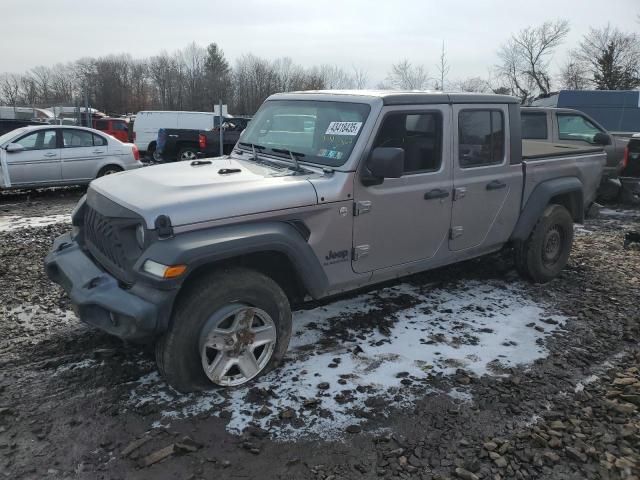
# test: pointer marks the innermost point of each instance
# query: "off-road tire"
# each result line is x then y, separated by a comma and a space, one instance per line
177, 351
530, 254
109, 170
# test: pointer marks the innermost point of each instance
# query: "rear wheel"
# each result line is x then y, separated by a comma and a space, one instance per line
187, 153
227, 329
545, 253
109, 170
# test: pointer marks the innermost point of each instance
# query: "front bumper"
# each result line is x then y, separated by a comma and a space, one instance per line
98, 297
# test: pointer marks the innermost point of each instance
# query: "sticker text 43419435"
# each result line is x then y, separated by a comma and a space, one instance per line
343, 128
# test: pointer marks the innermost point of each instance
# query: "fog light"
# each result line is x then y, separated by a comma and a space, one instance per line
163, 271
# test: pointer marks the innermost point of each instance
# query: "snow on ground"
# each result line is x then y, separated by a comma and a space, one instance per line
10, 223
479, 327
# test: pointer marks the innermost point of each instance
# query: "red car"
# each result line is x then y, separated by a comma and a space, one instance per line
116, 127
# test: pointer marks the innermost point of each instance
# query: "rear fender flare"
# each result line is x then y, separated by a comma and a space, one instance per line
541, 197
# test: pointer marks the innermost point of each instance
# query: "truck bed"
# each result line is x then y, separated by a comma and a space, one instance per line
535, 149
543, 161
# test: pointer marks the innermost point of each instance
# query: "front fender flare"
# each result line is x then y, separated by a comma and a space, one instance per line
211, 245
541, 197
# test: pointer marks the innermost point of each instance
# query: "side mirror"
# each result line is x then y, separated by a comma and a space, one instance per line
386, 162
14, 147
602, 138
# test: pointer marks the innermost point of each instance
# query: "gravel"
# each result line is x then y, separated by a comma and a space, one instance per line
65, 389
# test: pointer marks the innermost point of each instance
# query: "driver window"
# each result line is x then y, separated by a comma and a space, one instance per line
419, 135
576, 127
41, 140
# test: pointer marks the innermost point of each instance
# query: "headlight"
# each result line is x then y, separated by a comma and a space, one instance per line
140, 235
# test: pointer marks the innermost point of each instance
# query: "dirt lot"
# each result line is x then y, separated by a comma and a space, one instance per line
466, 372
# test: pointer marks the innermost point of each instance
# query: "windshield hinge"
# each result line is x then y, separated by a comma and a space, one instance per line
359, 252
361, 207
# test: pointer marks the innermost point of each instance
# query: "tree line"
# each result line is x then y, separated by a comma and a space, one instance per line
197, 78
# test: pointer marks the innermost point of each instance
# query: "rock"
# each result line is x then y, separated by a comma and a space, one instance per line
551, 456
575, 454
490, 446
287, 413
133, 446
624, 463
557, 425
465, 474
623, 408
624, 381
538, 441
354, 429
555, 442
402, 460
500, 462
158, 455
323, 386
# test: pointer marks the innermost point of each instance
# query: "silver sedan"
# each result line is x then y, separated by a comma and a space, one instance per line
51, 155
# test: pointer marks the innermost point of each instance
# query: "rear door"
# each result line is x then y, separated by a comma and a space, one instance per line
486, 187
38, 163
82, 154
406, 219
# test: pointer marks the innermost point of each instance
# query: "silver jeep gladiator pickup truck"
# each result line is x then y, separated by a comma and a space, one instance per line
206, 256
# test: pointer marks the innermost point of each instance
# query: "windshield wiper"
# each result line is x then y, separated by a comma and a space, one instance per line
293, 155
254, 147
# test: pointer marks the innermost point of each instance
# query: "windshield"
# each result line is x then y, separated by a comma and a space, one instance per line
321, 132
13, 133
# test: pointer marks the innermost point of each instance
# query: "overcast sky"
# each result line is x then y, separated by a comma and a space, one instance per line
364, 33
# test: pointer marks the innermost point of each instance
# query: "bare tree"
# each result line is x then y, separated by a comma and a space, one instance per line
525, 58
360, 78
573, 75
611, 58
472, 84
10, 88
405, 76
443, 68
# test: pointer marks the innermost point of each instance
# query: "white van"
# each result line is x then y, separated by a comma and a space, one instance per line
147, 124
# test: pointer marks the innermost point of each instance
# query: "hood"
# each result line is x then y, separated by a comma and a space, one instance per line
187, 193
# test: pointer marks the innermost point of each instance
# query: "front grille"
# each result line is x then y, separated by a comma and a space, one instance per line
106, 239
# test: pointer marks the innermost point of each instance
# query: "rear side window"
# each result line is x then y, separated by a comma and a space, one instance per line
419, 135
481, 138
534, 126
99, 141
102, 125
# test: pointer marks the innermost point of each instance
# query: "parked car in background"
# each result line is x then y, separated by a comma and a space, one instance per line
116, 127
7, 125
178, 144
631, 161
148, 123
51, 155
209, 141
564, 125
616, 110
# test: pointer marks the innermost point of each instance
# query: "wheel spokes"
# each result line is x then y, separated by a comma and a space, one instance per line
263, 335
243, 319
218, 339
217, 369
248, 365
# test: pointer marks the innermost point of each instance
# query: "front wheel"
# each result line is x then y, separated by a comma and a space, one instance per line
545, 253
227, 329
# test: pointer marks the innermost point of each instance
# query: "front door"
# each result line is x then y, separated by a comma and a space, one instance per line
82, 154
403, 220
485, 186
38, 163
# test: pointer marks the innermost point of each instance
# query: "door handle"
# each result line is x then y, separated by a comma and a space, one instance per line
49, 155
98, 151
496, 185
437, 193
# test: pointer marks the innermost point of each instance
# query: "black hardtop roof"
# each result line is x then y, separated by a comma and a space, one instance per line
413, 97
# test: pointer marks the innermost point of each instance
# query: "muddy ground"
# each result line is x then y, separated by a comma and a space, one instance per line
466, 372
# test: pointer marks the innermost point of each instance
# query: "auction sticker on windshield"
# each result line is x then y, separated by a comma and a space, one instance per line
343, 128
